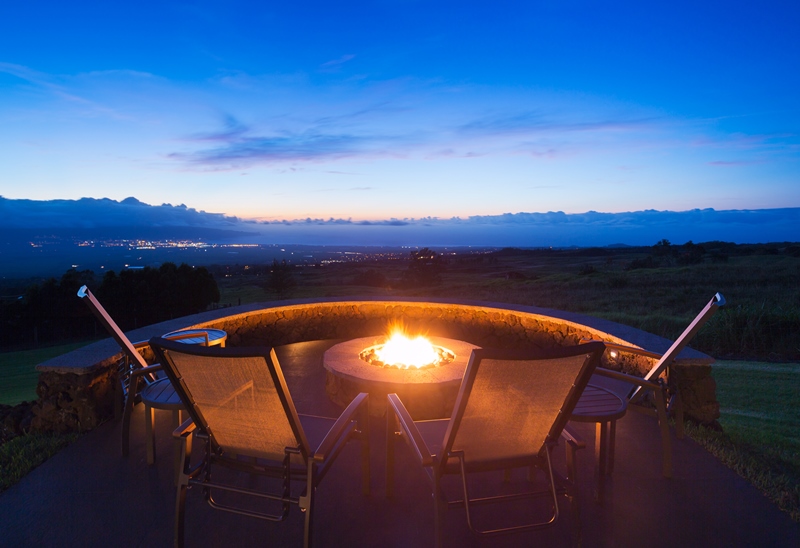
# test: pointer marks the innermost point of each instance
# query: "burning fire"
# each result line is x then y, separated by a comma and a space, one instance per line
404, 353
399, 349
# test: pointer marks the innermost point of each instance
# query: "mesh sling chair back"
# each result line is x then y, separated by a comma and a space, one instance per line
138, 381
635, 389
510, 412
243, 416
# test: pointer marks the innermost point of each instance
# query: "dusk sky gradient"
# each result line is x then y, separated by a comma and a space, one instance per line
403, 109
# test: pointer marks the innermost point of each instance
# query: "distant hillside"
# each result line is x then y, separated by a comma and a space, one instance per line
90, 218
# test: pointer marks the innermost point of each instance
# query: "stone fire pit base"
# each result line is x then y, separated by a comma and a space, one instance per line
428, 393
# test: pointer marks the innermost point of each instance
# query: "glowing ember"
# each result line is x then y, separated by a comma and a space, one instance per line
404, 353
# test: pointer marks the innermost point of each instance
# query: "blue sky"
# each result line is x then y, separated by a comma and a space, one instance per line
402, 109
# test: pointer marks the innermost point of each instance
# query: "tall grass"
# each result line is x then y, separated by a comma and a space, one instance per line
770, 332
761, 320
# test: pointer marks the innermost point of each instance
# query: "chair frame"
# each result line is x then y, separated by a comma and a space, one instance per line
401, 425
352, 424
656, 381
136, 378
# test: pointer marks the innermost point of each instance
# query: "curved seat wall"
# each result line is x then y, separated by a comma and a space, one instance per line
77, 390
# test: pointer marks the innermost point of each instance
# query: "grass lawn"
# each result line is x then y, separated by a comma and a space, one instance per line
19, 378
760, 404
18, 371
24, 453
760, 415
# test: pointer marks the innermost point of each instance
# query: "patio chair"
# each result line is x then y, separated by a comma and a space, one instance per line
510, 411
243, 417
138, 380
635, 389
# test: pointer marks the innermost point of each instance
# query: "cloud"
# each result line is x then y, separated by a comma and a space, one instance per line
326, 140
381, 109
731, 163
41, 80
536, 122
242, 150
88, 213
335, 64
522, 229
233, 130
305, 121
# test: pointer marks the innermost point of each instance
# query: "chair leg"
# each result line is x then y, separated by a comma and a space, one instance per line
306, 504
184, 455
363, 426
126, 428
666, 445
391, 435
601, 457
180, 510
176, 422
149, 433
678, 416
612, 441
130, 400
119, 400
439, 508
572, 485
309, 524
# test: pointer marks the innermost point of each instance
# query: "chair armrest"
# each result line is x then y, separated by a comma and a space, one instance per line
141, 344
603, 372
147, 370
184, 429
410, 430
338, 428
572, 439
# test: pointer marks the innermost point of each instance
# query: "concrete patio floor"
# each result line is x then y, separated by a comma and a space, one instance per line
89, 495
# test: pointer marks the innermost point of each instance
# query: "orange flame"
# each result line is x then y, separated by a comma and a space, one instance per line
400, 351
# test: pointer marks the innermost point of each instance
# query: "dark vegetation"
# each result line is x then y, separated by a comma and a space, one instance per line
658, 289
49, 312
280, 279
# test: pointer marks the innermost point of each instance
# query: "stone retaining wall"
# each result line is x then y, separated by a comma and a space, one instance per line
78, 390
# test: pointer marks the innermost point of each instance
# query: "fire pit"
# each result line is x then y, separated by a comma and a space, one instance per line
428, 388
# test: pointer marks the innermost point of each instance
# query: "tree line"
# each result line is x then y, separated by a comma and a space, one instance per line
51, 312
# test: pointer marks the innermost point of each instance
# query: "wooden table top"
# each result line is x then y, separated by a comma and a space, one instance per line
215, 336
161, 395
598, 405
